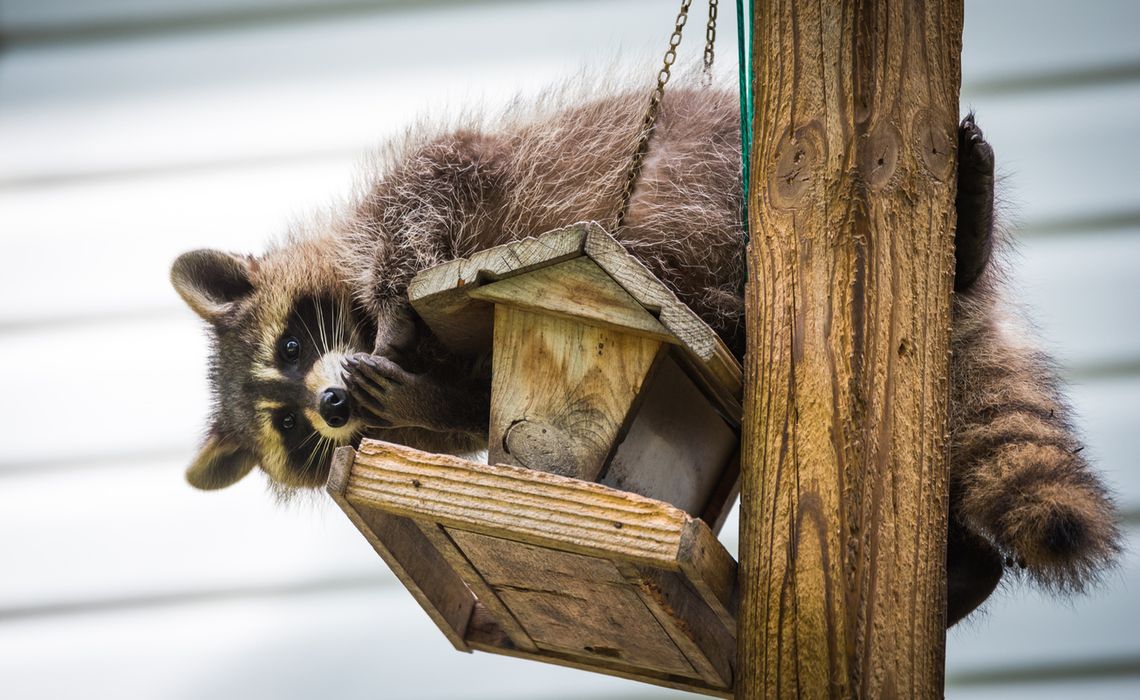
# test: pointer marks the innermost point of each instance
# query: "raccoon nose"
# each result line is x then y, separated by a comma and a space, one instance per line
334, 407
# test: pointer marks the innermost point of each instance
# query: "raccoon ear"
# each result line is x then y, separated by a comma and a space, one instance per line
219, 464
210, 281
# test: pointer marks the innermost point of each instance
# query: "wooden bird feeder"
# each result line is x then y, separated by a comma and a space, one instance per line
589, 538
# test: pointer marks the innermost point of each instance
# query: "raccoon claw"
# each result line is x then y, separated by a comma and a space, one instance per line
365, 404
975, 155
378, 370
377, 387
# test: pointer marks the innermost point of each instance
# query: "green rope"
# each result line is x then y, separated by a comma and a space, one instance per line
743, 45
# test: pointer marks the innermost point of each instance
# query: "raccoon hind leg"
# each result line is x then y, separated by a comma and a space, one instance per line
973, 571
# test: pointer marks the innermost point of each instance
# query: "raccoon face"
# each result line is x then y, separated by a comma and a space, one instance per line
282, 327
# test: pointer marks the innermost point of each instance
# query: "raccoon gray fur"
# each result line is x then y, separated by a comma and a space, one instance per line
315, 345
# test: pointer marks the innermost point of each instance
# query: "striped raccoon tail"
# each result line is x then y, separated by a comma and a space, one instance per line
1018, 473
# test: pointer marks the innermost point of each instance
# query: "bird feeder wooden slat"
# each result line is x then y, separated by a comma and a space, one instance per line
599, 374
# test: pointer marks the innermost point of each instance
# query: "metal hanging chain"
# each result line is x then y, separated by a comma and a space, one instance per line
650, 118
710, 43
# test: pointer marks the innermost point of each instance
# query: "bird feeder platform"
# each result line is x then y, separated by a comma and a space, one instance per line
589, 538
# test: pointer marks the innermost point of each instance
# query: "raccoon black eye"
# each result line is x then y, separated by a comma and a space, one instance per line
288, 422
291, 348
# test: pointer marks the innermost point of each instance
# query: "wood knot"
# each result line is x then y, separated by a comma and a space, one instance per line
541, 447
934, 137
879, 155
797, 160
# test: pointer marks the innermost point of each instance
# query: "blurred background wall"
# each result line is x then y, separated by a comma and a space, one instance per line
132, 130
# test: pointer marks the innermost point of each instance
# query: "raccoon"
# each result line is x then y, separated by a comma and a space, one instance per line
315, 345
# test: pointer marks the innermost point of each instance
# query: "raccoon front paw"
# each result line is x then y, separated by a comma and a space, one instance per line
384, 394
973, 241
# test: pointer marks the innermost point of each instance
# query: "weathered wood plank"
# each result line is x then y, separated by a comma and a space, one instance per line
411, 557
523, 504
712, 571
576, 289
712, 357
440, 295
443, 543
485, 636
562, 570
561, 391
574, 604
689, 621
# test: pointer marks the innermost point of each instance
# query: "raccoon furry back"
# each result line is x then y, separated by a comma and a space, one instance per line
435, 197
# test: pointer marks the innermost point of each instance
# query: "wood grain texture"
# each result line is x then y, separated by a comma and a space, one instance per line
576, 289
418, 565
445, 297
710, 356
712, 571
844, 490
486, 636
528, 506
555, 569
561, 391
440, 294
691, 624
574, 604
479, 590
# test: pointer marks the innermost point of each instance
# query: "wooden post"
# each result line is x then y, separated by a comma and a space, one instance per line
843, 518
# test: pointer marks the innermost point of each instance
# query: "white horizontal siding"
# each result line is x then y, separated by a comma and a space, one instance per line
121, 235
330, 85
134, 532
338, 644
26, 16
115, 155
1017, 38
1026, 629
355, 641
1112, 688
1065, 154
1002, 39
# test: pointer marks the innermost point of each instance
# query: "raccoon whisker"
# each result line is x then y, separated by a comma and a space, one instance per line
321, 327
326, 448
312, 456
305, 466
338, 327
304, 442
317, 449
